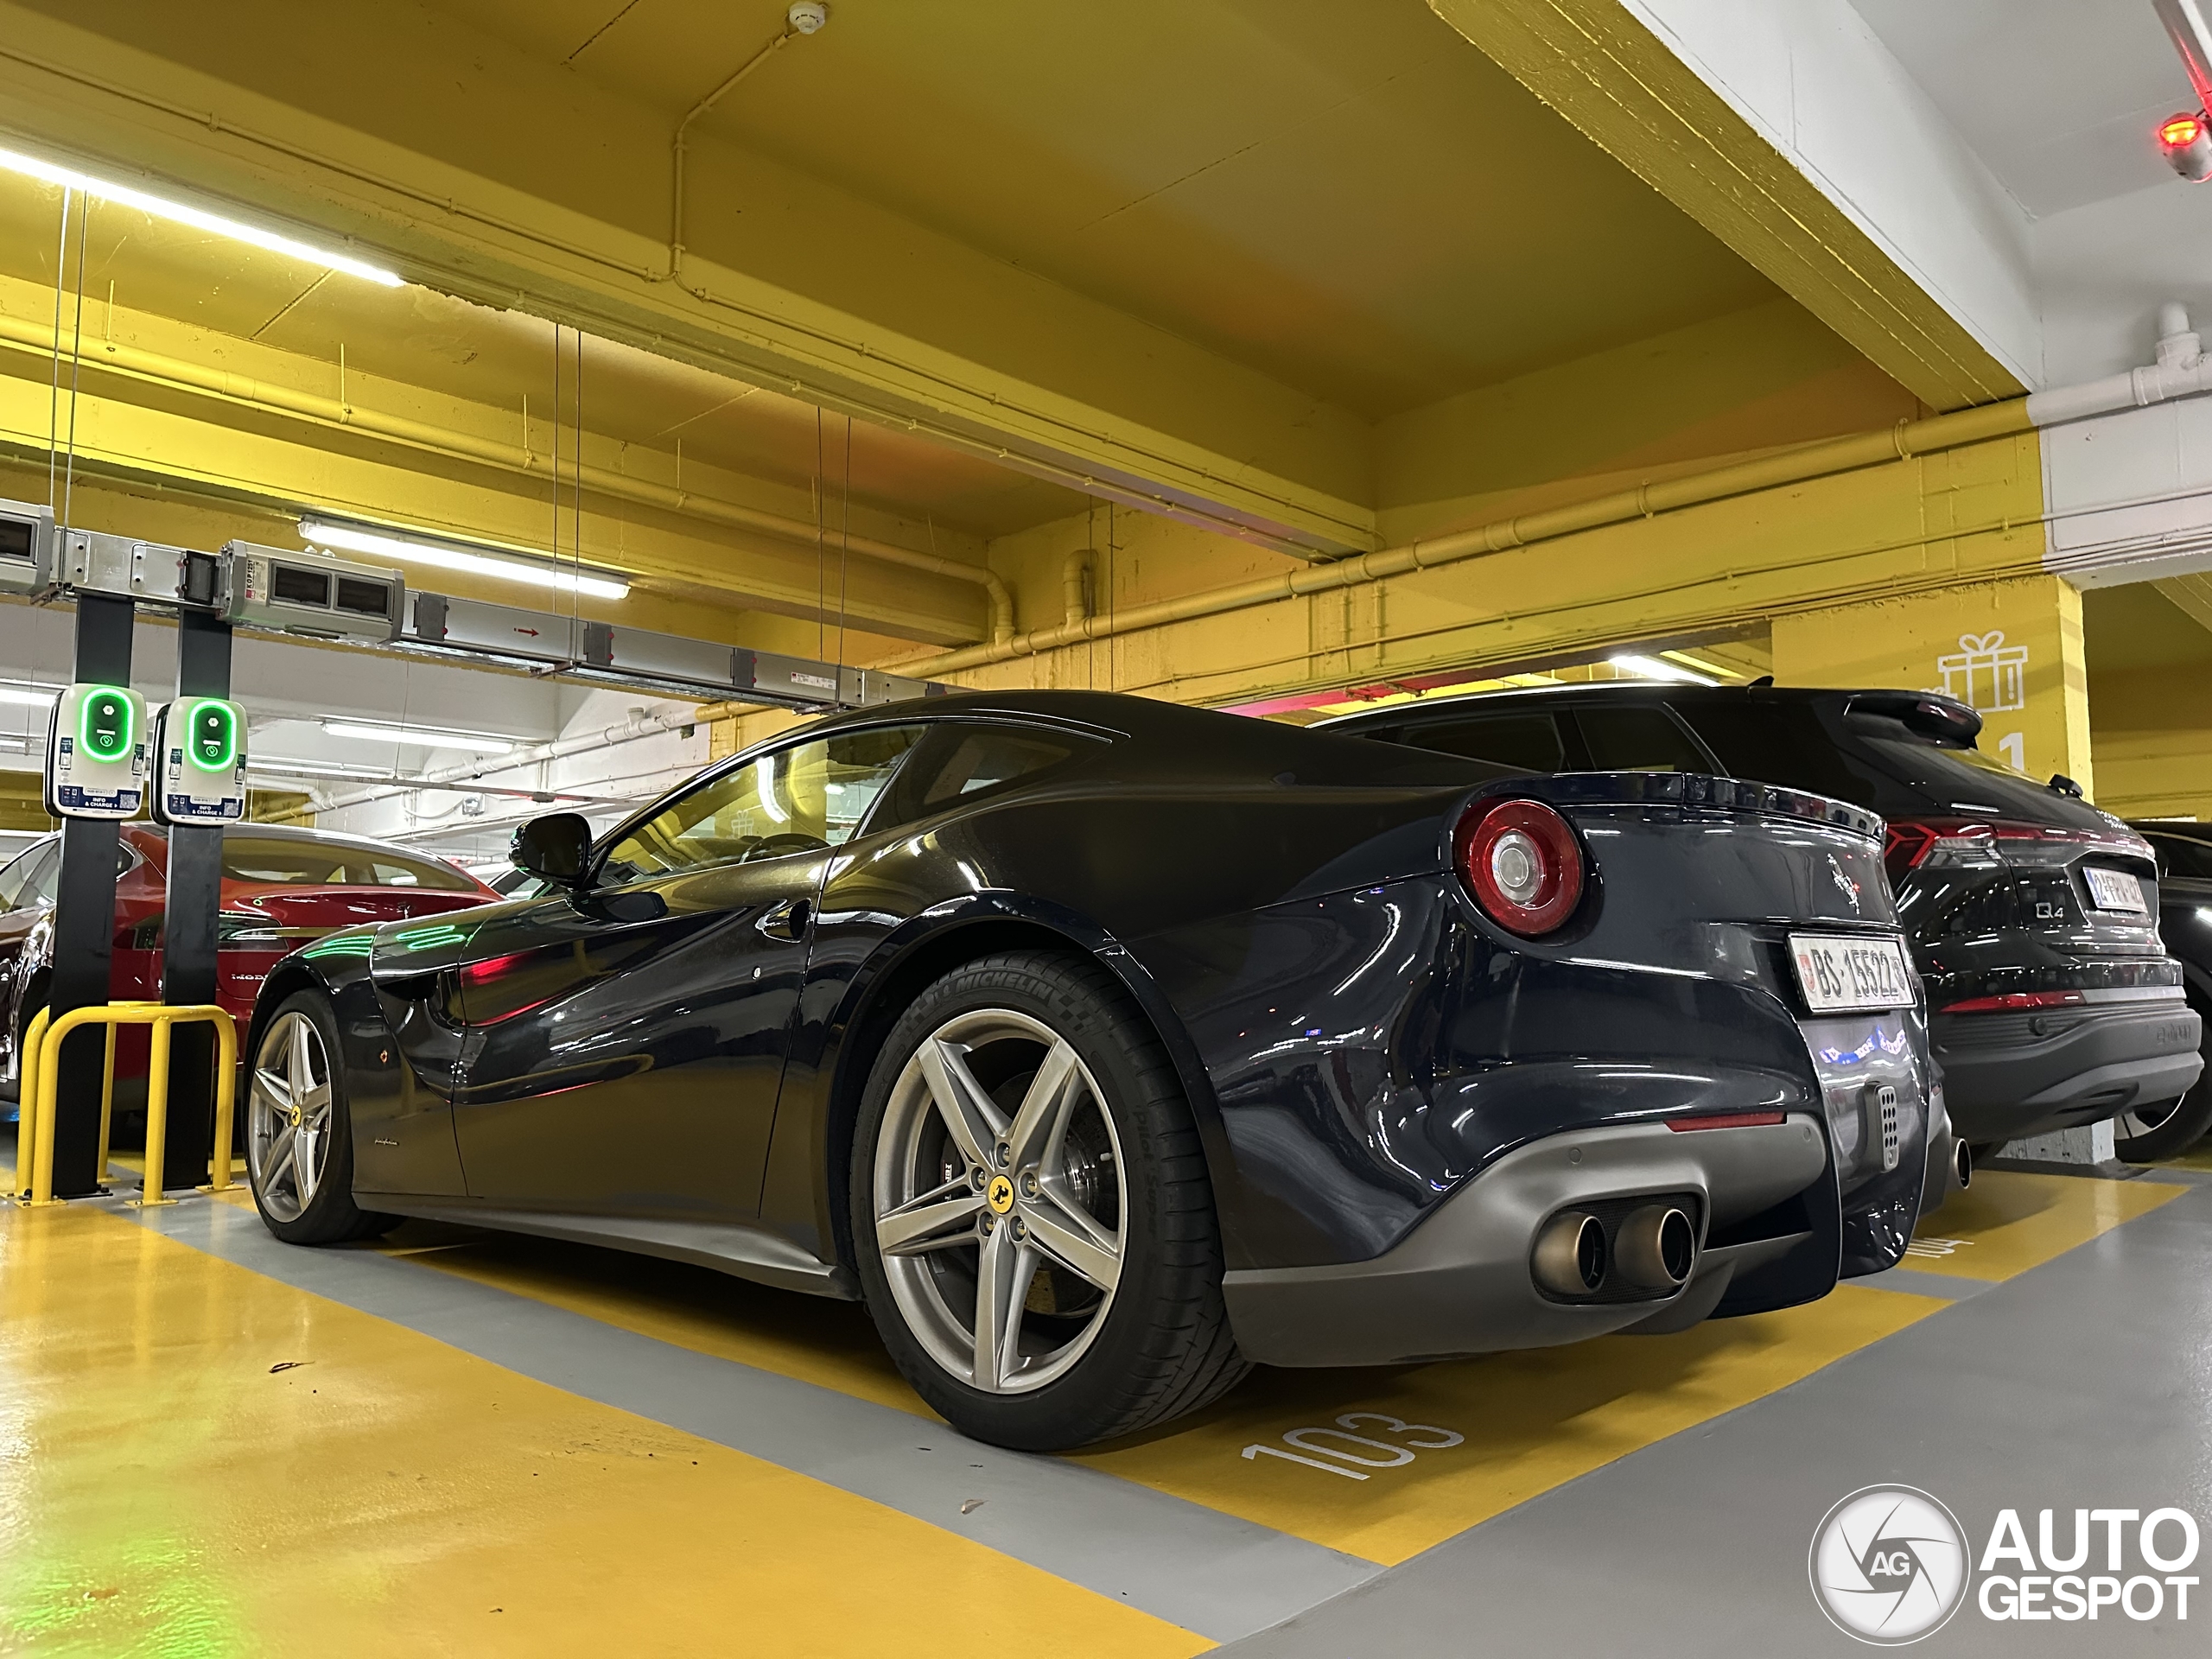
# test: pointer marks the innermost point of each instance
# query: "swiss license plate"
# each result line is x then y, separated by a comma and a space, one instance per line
1838, 975
2115, 890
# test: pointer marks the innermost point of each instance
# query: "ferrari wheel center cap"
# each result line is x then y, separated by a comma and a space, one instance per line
998, 1195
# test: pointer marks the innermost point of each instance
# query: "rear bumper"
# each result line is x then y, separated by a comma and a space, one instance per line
2003, 1079
1461, 1283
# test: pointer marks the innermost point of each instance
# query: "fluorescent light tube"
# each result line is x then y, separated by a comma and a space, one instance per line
538, 574
313, 768
1652, 668
29, 695
197, 218
427, 737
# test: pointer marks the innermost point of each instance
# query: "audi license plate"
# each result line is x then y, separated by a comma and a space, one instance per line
1840, 975
2115, 890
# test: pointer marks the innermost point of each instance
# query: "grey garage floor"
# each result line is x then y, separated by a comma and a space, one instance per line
2082, 1382
2086, 1382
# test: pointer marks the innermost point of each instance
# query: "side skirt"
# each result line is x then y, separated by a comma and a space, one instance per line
728, 1247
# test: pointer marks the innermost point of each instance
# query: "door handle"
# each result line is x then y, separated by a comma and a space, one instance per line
786, 920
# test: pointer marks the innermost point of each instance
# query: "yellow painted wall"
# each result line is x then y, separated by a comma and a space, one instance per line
1901, 528
2150, 704
2012, 649
1753, 380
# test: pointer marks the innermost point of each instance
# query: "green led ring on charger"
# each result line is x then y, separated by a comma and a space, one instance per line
212, 742
104, 723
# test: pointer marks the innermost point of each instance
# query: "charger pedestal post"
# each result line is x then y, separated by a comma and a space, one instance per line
87, 722
200, 787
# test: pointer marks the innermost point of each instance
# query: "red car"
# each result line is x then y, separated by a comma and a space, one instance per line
280, 888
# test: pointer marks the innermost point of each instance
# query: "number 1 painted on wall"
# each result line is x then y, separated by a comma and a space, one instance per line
2013, 746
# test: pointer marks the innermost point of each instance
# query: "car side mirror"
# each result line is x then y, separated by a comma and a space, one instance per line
554, 848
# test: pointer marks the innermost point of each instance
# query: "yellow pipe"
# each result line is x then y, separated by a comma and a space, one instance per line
157, 1119
132, 362
1073, 569
26, 1100
678, 147
1907, 438
107, 1086
107, 1105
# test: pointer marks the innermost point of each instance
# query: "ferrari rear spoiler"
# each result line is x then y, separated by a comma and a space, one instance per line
1695, 789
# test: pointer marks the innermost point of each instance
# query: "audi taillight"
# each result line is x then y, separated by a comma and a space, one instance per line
1522, 863
1911, 844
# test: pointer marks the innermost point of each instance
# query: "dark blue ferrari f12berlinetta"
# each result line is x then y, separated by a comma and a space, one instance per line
1103, 1047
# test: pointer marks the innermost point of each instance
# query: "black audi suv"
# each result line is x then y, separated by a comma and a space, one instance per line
2033, 915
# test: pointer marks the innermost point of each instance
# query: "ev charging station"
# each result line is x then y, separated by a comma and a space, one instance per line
105, 760
96, 753
200, 754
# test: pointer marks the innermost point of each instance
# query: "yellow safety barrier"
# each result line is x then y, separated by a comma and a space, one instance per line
41, 1088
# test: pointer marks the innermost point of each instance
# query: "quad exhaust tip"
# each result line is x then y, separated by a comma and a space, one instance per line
1656, 1247
1570, 1257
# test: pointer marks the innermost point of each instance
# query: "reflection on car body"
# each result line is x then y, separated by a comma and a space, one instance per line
1103, 1046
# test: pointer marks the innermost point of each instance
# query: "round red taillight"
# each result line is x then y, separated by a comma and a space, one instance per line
1522, 862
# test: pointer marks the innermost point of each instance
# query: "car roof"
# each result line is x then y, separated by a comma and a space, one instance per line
1872, 697
159, 835
2180, 828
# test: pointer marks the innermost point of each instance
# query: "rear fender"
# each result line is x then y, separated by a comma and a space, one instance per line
844, 1014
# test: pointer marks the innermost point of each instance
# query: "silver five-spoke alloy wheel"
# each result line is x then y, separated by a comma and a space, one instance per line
287, 1116
1000, 1203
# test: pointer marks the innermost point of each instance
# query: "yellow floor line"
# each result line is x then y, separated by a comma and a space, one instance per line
809, 1337
166, 1488
1529, 1423
1532, 1421
2010, 1220
2197, 1157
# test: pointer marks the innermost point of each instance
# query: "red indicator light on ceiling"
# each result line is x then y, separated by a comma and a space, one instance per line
2187, 141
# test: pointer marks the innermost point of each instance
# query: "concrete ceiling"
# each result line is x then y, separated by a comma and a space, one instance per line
1220, 260
2060, 99
1347, 198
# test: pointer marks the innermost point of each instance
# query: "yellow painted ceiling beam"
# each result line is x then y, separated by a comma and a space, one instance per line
2192, 595
1607, 74
267, 467
575, 241
234, 419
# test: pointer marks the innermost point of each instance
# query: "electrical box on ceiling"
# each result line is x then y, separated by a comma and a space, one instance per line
199, 761
96, 753
26, 548
863, 688
784, 679
479, 626
123, 567
313, 594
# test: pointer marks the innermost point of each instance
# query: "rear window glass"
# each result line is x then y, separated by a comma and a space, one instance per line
1871, 761
1524, 742
962, 762
989, 757
19, 881
314, 864
2183, 857
1632, 738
